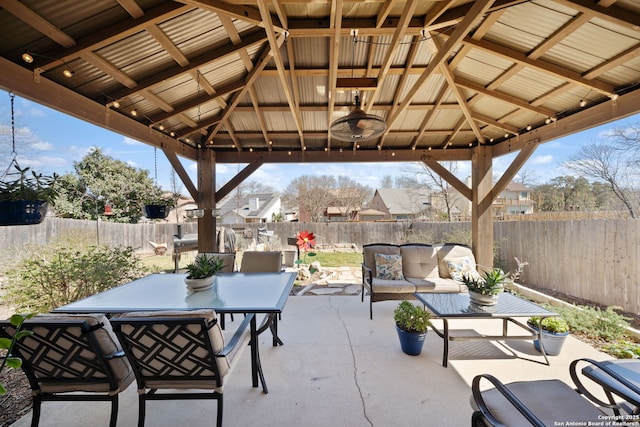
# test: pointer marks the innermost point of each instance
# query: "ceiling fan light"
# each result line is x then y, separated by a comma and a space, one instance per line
357, 126
27, 57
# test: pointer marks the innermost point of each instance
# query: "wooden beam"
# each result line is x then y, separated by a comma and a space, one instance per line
613, 14
239, 178
37, 22
182, 173
481, 219
357, 83
606, 112
132, 8
446, 174
207, 201
14, 78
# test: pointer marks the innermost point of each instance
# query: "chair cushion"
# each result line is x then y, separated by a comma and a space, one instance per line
551, 401
108, 343
419, 261
215, 335
452, 253
389, 267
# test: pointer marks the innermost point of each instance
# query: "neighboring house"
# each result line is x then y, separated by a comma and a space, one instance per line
369, 215
515, 199
402, 203
249, 208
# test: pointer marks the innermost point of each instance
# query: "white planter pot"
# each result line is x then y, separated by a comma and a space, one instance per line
200, 284
481, 299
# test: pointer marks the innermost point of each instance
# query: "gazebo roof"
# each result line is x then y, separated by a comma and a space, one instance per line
262, 81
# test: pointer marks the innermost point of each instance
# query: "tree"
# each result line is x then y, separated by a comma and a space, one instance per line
311, 194
102, 180
350, 196
615, 163
447, 194
386, 181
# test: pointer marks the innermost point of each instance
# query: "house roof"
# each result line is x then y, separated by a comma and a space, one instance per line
242, 207
259, 81
515, 186
402, 201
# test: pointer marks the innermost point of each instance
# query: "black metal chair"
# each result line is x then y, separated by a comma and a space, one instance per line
179, 350
71, 353
545, 402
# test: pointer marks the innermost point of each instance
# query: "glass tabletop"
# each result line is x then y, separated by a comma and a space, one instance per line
459, 305
231, 293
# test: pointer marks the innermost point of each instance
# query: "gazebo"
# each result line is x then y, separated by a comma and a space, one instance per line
273, 81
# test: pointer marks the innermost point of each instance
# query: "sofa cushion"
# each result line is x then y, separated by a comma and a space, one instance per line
458, 268
419, 260
389, 267
452, 253
369, 252
436, 284
392, 286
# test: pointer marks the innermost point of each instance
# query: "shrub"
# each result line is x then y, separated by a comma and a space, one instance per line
594, 322
58, 275
623, 349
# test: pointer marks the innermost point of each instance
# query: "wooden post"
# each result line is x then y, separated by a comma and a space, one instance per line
206, 190
482, 213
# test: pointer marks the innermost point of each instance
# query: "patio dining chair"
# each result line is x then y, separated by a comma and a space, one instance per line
264, 262
180, 351
66, 354
542, 402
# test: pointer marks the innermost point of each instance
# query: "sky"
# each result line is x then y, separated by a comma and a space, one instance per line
59, 140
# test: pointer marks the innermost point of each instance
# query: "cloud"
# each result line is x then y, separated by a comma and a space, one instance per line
130, 141
542, 160
42, 146
133, 164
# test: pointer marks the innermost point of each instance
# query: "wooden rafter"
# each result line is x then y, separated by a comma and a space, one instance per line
335, 18
38, 23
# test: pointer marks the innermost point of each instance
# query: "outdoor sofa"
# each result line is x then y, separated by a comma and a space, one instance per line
396, 272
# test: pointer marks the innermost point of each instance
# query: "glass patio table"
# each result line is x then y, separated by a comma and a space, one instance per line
446, 306
246, 293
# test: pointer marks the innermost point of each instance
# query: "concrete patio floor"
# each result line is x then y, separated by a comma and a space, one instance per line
339, 368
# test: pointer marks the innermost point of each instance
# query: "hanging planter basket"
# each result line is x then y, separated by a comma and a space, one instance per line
156, 211
22, 212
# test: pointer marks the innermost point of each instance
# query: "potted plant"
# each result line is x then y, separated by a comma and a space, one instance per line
484, 290
554, 332
25, 199
412, 323
158, 207
200, 273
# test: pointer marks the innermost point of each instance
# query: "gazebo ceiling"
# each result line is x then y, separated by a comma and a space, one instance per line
265, 79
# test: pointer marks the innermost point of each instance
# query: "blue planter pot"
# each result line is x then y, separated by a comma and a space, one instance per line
411, 343
551, 341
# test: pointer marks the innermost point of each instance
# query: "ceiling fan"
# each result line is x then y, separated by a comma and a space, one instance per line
357, 126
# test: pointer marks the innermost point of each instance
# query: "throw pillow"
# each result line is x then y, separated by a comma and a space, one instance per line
389, 267
461, 267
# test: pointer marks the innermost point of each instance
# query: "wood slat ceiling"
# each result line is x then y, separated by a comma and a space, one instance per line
265, 79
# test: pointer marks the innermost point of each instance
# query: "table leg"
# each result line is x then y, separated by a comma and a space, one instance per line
445, 352
256, 365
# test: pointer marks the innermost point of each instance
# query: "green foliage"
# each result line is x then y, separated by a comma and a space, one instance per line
623, 349
58, 274
100, 179
594, 322
10, 361
550, 324
22, 185
492, 283
204, 266
411, 318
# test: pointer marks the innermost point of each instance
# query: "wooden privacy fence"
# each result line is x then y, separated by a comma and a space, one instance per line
594, 259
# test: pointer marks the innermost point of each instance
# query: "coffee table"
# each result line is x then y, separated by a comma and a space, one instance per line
447, 306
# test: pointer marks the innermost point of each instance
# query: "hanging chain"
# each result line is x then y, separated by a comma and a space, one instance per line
155, 164
13, 126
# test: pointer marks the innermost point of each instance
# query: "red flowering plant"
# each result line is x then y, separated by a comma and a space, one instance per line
305, 241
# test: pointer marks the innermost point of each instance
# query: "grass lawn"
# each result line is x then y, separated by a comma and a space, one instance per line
164, 263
